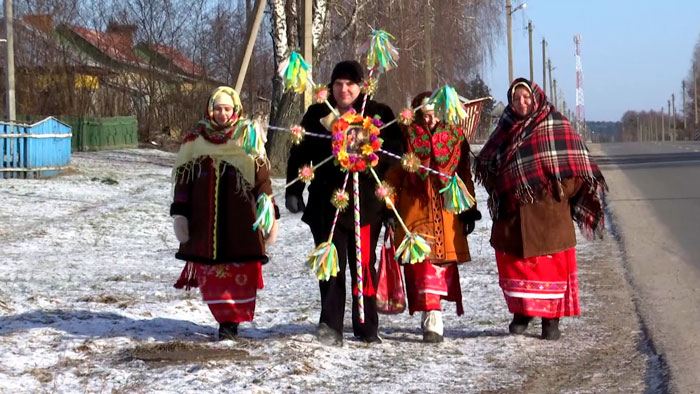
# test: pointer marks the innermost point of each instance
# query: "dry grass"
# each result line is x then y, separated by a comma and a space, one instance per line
175, 352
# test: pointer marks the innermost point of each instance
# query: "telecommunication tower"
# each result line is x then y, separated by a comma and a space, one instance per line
580, 109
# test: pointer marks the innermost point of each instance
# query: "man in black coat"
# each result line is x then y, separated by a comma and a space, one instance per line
319, 212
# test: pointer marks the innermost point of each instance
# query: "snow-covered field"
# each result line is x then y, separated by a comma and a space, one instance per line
86, 274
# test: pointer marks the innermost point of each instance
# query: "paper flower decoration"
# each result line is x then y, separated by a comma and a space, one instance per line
297, 134
306, 173
384, 190
369, 86
406, 116
321, 93
410, 162
340, 199
355, 142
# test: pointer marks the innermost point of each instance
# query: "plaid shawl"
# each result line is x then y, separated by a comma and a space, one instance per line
526, 157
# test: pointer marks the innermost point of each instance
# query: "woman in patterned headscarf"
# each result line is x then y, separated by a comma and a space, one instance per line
540, 179
216, 187
443, 148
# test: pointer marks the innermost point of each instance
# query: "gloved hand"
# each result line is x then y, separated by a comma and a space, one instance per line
181, 228
272, 235
469, 219
469, 227
294, 204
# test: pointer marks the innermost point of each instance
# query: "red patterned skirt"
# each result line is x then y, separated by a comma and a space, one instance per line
427, 284
229, 289
542, 286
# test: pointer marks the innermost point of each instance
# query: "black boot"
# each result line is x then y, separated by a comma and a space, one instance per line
550, 329
519, 324
329, 336
228, 331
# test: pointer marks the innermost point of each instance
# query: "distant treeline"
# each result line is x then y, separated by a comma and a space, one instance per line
604, 131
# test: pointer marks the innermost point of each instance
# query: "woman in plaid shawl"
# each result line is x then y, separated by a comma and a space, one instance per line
540, 180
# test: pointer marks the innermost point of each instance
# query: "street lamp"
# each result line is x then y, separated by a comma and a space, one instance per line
509, 12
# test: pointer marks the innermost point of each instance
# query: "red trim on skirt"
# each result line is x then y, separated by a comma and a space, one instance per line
541, 286
230, 289
427, 284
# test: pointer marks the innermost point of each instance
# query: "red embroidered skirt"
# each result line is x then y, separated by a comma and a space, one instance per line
543, 286
427, 284
230, 289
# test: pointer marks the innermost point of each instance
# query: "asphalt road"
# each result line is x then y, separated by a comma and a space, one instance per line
654, 203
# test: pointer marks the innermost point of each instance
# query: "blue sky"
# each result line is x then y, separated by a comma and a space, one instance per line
634, 53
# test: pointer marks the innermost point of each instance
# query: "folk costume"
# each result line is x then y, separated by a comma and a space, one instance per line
420, 204
216, 185
319, 211
540, 179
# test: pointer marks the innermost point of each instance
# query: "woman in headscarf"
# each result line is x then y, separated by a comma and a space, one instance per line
214, 208
441, 147
540, 179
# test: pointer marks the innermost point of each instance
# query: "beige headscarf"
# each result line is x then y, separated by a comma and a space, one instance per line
193, 151
224, 95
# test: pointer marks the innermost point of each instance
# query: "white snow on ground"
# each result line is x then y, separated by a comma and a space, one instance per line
86, 274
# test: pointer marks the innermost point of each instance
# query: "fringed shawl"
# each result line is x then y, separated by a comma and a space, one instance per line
526, 157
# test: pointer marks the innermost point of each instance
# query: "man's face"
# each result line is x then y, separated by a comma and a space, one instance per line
522, 101
345, 92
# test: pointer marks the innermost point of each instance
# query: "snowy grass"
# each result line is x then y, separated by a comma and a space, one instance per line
86, 278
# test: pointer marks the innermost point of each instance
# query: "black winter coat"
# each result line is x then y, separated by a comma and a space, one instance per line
319, 210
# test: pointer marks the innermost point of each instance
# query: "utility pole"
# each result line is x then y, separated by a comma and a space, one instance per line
685, 118
639, 130
10, 65
551, 91
509, 32
428, 48
670, 121
544, 66
555, 94
253, 28
662, 124
308, 47
532, 64
673, 122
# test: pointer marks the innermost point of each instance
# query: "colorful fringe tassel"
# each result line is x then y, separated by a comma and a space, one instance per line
447, 105
413, 249
294, 72
264, 214
323, 261
456, 196
381, 53
250, 136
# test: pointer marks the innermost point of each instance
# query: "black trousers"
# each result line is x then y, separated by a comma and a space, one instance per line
333, 290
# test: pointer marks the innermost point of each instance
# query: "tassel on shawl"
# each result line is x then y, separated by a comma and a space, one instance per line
188, 277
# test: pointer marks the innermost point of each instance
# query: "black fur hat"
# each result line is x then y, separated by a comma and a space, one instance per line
347, 69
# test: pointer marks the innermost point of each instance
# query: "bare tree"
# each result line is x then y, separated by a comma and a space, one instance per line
468, 31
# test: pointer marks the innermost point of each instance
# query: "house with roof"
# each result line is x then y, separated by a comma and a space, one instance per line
67, 69
495, 115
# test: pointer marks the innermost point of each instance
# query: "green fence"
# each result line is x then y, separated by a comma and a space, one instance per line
103, 133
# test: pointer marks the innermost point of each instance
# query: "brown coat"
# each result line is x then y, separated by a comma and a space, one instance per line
221, 219
420, 205
541, 228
